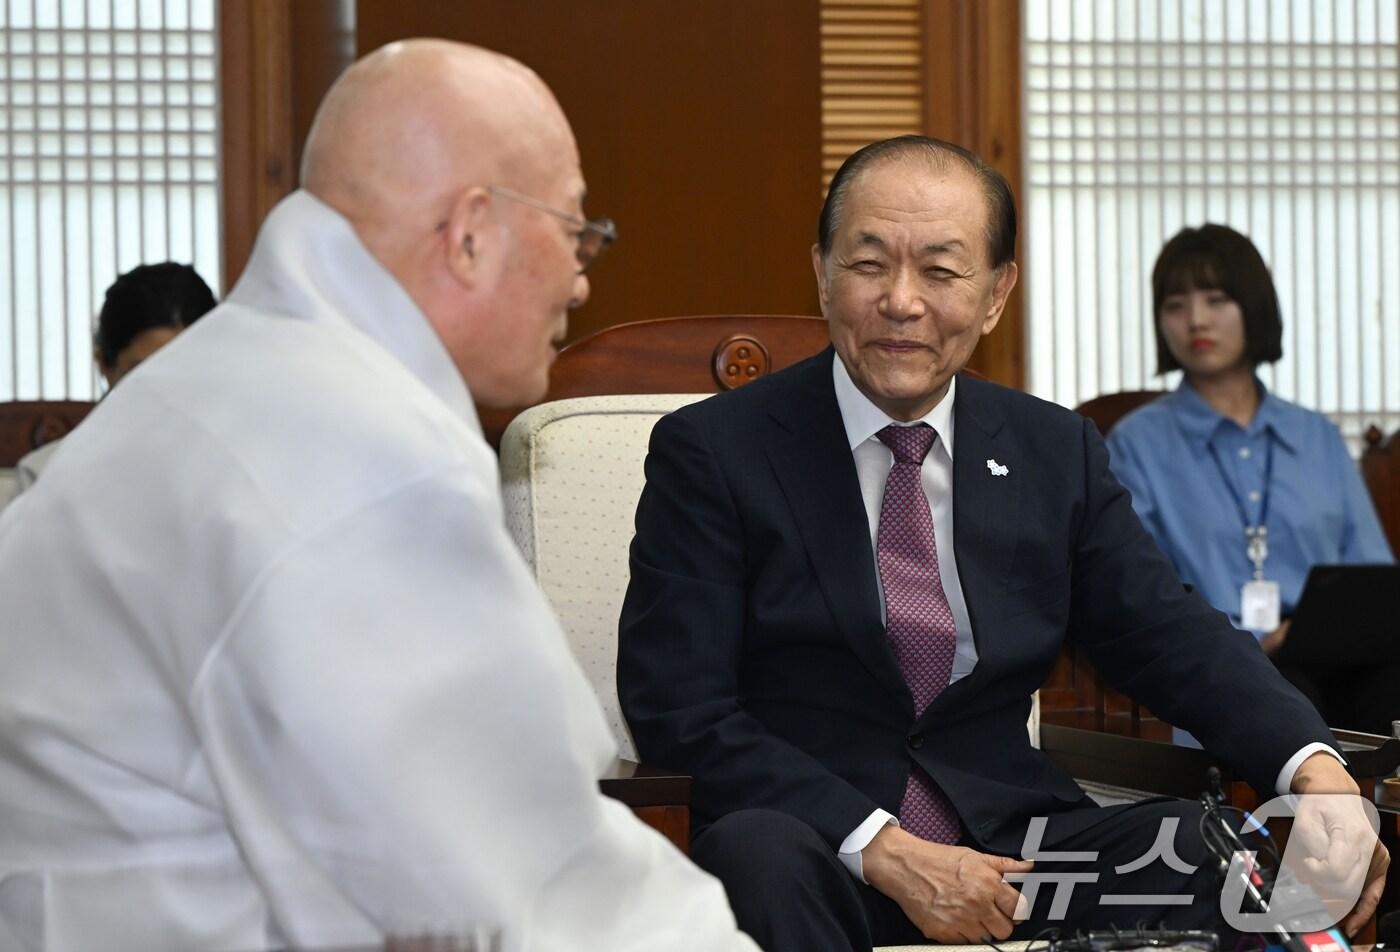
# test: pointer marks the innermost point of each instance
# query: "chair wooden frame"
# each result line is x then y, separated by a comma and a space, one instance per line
26, 425
1380, 468
699, 354
1074, 696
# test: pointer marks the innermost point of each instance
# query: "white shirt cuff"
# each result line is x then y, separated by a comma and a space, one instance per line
1283, 786
860, 838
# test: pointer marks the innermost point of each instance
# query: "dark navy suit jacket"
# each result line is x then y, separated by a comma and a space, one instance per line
752, 654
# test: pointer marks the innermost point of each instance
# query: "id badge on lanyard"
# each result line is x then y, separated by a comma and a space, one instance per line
1259, 597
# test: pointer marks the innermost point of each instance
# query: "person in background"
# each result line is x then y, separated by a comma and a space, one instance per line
273, 674
143, 311
1238, 486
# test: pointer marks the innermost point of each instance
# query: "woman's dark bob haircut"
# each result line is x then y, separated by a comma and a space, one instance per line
1218, 258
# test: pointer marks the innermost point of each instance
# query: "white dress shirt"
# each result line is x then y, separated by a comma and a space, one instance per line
863, 420
273, 673
873, 459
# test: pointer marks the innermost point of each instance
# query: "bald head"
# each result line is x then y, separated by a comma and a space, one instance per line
460, 175
416, 121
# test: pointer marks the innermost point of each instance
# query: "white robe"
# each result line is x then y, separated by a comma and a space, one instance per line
272, 671
31, 464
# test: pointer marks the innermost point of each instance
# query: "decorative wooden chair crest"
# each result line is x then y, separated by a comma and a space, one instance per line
704, 354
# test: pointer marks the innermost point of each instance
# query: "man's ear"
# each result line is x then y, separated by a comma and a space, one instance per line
468, 235
1001, 290
819, 267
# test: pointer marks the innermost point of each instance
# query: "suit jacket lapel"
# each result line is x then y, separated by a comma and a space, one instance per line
814, 465
986, 509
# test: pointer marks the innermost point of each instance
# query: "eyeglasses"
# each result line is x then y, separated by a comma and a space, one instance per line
594, 235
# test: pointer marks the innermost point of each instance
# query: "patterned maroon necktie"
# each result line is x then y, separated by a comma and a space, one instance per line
918, 622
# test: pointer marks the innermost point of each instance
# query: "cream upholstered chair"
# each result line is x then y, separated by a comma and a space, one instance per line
572, 473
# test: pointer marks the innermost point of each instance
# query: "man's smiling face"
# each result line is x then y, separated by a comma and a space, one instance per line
908, 288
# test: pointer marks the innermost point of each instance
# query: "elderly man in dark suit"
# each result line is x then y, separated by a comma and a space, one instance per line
849, 578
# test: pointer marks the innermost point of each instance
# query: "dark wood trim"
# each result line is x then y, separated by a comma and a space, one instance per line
1165, 768
26, 425
659, 798
1360, 739
972, 96
1151, 766
255, 65
276, 60
699, 129
1368, 755
323, 46
638, 785
668, 355
671, 822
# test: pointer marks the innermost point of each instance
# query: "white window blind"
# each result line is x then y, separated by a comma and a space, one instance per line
108, 159
1280, 118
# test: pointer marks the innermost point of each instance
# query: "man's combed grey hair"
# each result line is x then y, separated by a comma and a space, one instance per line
1001, 206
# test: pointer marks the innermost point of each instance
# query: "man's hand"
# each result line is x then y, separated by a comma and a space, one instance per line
1273, 641
1341, 852
953, 894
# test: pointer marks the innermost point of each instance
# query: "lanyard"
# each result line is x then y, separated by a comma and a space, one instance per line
1256, 534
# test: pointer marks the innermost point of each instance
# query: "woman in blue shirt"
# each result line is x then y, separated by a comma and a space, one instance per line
1210, 463
142, 312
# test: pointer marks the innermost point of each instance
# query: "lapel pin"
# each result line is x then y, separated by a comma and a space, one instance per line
996, 469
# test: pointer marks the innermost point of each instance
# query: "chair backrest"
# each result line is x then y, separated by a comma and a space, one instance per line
571, 471
1380, 467
26, 425
1074, 687
704, 354
572, 467
1108, 409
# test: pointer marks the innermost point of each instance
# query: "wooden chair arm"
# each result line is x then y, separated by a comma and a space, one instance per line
638, 785
659, 798
1149, 766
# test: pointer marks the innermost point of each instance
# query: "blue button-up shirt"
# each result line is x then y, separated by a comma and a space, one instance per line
1319, 511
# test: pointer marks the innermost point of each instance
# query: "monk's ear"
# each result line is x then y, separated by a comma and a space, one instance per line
468, 235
